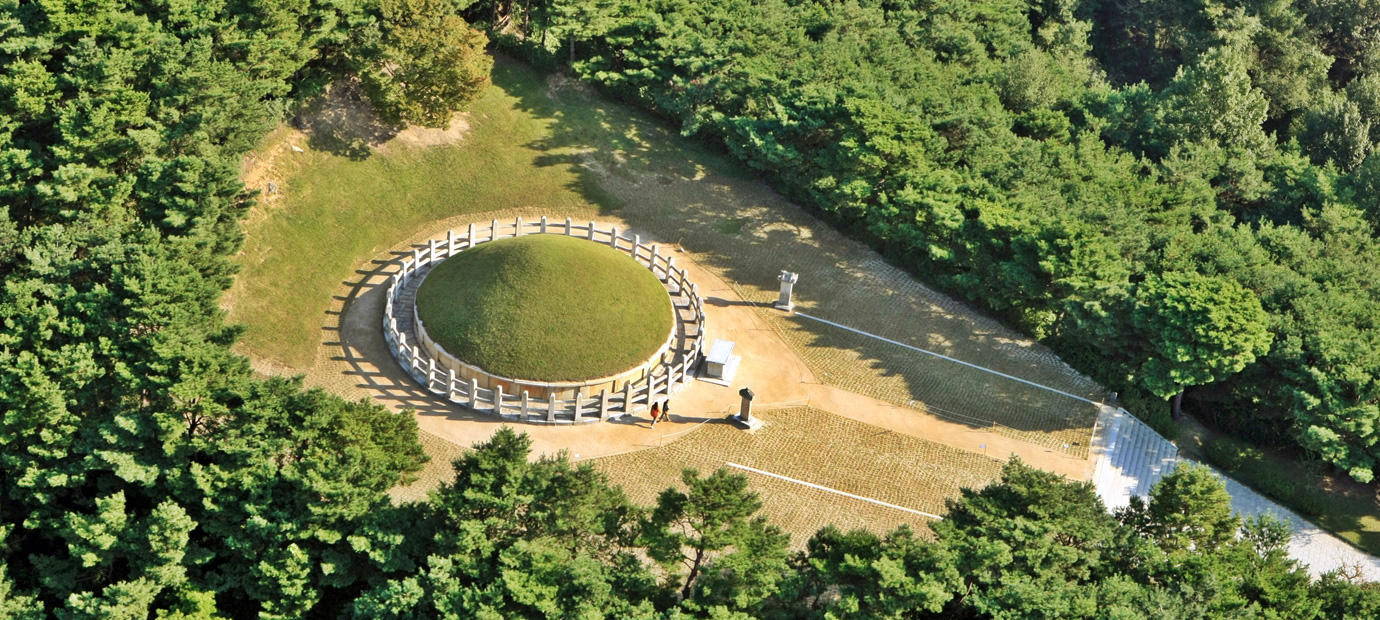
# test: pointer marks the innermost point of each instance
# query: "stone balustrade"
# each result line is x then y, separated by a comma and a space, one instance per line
537, 402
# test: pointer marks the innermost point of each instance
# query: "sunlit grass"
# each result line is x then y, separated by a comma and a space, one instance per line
336, 210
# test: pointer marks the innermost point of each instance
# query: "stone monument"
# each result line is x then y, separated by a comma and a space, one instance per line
788, 280
744, 417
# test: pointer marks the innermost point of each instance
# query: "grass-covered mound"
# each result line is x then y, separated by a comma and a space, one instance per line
545, 307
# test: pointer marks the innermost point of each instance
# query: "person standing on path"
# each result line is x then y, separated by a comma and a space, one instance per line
656, 411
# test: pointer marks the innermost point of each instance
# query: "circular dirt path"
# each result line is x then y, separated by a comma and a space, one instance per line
354, 361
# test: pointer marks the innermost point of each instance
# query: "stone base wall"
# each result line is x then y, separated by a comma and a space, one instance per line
669, 369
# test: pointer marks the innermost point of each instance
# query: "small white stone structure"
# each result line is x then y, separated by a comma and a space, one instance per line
517, 400
720, 364
788, 281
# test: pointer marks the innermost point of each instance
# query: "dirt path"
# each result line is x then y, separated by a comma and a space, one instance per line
353, 361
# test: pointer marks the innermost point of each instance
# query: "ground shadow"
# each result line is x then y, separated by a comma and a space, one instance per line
343, 122
361, 347
682, 192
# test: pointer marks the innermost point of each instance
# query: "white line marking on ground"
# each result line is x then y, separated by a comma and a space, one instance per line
815, 486
945, 357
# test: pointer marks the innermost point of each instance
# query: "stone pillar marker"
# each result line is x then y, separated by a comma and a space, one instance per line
543, 224
567, 227
517, 227
788, 281
744, 417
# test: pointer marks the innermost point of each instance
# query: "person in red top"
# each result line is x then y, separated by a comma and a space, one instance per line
656, 412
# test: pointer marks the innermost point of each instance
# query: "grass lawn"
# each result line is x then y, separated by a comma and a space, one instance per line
546, 308
819, 448
336, 207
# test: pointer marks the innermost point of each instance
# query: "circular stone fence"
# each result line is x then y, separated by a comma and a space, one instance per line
538, 402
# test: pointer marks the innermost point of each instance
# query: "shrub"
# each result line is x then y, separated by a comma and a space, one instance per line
1275, 485
1232, 455
1310, 500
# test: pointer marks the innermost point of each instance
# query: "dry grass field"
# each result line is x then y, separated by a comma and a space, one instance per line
820, 448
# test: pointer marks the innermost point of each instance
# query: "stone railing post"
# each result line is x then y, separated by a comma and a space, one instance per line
517, 227
450, 384
431, 245
430, 372
543, 224
613, 238
450, 243
469, 237
550, 407
591, 231
627, 397
474, 394
493, 230
567, 227
603, 404
498, 398
525, 405
578, 398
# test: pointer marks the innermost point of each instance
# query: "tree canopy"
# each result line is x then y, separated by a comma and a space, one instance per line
1060, 163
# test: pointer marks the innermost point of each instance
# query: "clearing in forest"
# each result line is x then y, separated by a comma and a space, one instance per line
538, 145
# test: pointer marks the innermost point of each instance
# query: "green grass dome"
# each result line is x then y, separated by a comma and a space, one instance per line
546, 308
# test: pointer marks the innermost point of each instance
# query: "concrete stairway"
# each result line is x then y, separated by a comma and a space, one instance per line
1128, 457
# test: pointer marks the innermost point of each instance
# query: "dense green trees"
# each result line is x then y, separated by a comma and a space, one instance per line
513, 538
1127, 206
427, 64
1052, 161
143, 472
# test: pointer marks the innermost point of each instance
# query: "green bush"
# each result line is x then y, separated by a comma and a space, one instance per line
1232, 455
1309, 500
1154, 411
1275, 485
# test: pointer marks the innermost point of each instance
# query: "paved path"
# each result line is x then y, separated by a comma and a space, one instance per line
1129, 457
355, 362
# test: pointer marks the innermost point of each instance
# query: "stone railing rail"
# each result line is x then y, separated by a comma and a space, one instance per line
660, 379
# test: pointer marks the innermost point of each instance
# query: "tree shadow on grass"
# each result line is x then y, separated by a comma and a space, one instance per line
679, 191
343, 122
